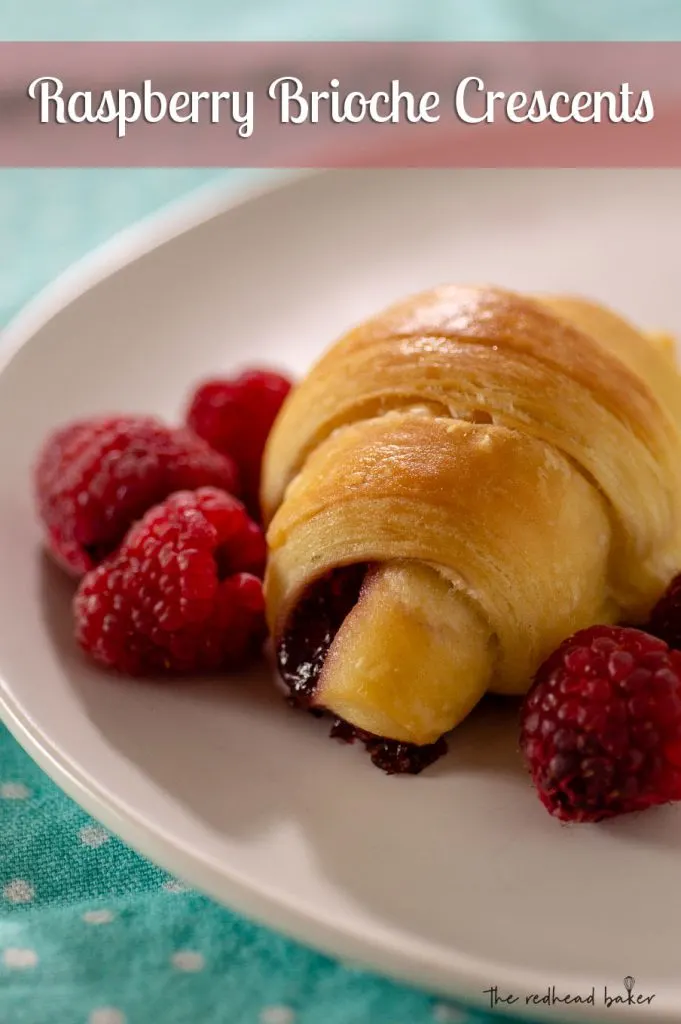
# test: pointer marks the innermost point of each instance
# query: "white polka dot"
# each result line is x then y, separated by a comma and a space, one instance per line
98, 916
14, 791
20, 957
106, 1015
277, 1015
188, 960
93, 835
444, 1014
18, 891
174, 885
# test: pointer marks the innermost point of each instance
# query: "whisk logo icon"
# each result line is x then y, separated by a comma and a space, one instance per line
630, 999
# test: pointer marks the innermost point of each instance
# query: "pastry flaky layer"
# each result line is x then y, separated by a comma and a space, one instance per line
510, 468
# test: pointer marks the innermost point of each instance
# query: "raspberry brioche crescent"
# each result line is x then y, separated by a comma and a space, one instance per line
459, 484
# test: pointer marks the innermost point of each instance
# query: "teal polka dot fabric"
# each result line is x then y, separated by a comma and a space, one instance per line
90, 932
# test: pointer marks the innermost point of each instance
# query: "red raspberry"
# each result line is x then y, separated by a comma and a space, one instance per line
601, 727
96, 477
665, 621
181, 594
235, 416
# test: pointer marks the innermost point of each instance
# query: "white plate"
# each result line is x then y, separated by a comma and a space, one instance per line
458, 879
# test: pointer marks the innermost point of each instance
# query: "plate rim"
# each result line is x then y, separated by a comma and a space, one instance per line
464, 981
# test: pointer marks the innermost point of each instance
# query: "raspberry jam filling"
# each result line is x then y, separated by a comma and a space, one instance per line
391, 756
301, 653
312, 627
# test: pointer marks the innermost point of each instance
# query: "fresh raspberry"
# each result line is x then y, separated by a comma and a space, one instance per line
181, 594
601, 727
235, 416
665, 621
96, 477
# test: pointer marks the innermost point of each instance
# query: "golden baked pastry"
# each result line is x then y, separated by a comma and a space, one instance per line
460, 483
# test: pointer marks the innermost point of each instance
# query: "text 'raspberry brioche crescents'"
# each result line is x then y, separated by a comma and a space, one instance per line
509, 471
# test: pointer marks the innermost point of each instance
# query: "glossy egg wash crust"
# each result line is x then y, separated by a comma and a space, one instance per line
507, 468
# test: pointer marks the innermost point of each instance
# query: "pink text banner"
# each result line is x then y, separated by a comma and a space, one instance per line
300, 105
